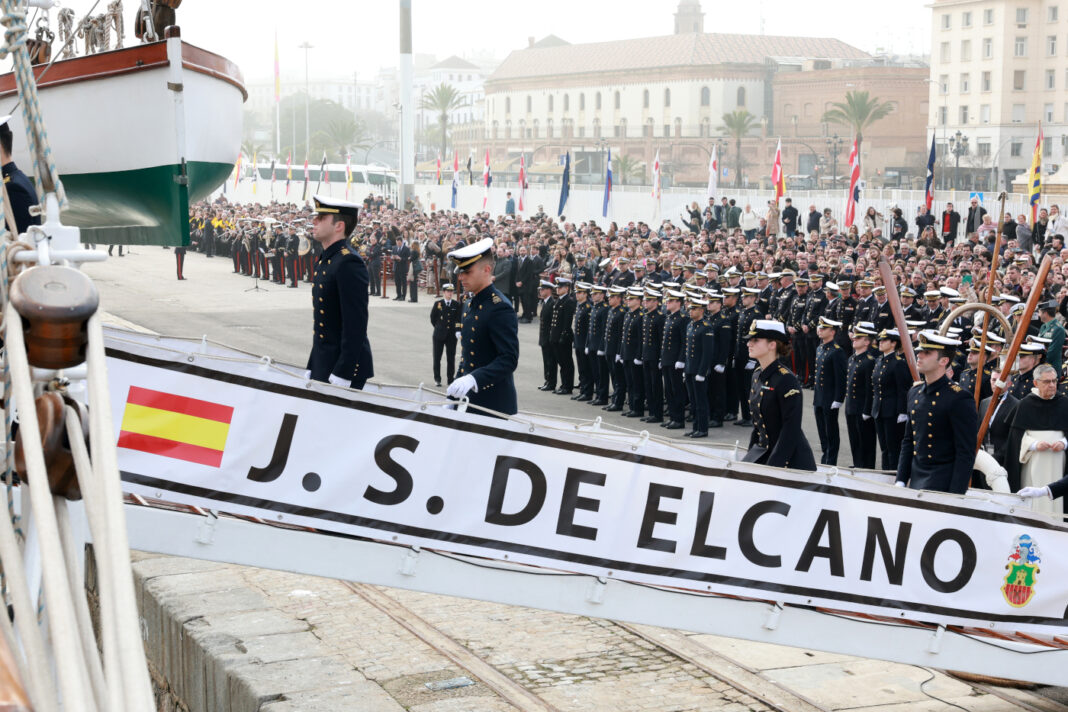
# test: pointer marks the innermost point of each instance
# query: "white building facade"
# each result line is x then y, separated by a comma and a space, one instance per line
998, 68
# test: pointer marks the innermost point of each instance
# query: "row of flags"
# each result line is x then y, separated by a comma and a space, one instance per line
324, 174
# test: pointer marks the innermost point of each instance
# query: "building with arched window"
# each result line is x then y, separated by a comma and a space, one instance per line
668, 93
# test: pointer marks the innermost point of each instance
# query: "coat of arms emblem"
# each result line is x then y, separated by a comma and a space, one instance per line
1023, 572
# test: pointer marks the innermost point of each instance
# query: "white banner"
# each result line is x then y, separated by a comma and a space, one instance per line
218, 429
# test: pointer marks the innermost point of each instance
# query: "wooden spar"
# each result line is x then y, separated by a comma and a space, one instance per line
989, 299
1017, 341
894, 297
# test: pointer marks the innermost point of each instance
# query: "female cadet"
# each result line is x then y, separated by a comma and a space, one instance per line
776, 402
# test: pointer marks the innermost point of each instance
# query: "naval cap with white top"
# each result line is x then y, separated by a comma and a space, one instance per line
768, 329
465, 257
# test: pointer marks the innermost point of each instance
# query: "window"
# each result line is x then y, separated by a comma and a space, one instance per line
550, 102
1015, 149
530, 104
947, 22
1051, 46
988, 48
1051, 13
597, 101
548, 128
942, 117
1018, 113
617, 99
1019, 48
667, 97
966, 19
986, 81
534, 129
965, 83
964, 114
567, 102
667, 130
982, 149
1018, 79
706, 96
507, 104
741, 96
988, 17
943, 52
1047, 146
645, 99
582, 102
1047, 111
965, 50
1021, 16
943, 83
1051, 79
984, 114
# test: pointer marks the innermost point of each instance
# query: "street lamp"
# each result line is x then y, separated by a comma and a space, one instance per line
958, 146
834, 145
307, 101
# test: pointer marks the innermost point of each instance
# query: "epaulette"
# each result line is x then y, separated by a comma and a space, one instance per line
496, 299
345, 251
955, 387
783, 370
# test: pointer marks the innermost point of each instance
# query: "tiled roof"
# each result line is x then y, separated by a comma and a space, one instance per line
454, 62
683, 50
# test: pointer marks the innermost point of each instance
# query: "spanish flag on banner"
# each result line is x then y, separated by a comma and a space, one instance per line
175, 426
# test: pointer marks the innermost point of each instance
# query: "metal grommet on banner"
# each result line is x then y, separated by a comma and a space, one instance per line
190, 359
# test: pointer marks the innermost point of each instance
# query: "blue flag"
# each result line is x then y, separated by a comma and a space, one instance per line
929, 191
607, 186
565, 186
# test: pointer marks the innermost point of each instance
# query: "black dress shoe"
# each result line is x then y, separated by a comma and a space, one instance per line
665, 423
744, 423
576, 397
561, 391
546, 387
633, 414
699, 434
653, 420
582, 398
674, 425
715, 424
689, 418
614, 408
598, 401
437, 383
730, 416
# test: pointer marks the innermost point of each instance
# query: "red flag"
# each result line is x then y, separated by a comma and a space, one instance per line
437, 178
854, 185
522, 181
777, 176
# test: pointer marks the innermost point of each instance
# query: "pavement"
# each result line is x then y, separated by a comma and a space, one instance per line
239, 638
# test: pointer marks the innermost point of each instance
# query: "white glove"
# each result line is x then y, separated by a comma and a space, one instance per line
457, 335
461, 386
619, 359
750, 365
587, 351
899, 483
700, 379
836, 405
720, 368
659, 364
1034, 492
903, 418
865, 416
307, 375
637, 362
600, 353
339, 381
679, 365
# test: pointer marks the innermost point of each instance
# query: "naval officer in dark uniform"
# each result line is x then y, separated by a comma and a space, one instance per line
445, 317
489, 338
776, 402
341, 353
20, 190
938, 450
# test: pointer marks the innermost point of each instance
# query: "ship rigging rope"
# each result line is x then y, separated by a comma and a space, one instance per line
15, 33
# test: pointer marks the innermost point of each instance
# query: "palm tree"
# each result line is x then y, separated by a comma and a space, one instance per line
626, 167
443, 100
859, 111
342, 136
737, 125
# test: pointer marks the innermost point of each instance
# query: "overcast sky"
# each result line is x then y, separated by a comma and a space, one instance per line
361, 35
